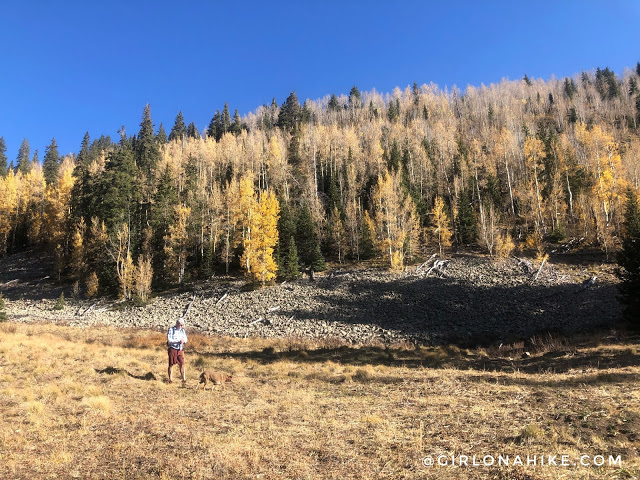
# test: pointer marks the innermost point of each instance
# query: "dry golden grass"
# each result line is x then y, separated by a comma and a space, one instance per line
80, 404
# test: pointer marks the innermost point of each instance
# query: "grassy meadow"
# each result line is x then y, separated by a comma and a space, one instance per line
94, 403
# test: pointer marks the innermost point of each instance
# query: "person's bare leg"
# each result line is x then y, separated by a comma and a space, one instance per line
170, 371
184, 377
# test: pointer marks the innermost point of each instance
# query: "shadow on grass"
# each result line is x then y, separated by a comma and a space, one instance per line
569, 360
120, 371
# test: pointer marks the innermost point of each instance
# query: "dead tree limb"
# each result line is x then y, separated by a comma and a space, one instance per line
222, 297
186, 312
540, 269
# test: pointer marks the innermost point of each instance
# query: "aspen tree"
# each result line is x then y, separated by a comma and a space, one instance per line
258, 251
395, 219
533, 152
441, 231
176, 244
143, 278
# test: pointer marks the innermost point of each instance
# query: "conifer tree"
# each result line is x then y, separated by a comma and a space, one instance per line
629, 259
366, 242
307, 241
164, 200
147, 152
289, 116
161, 136
215, 127
236, 127
192, 131
290, 269
3, 158
51, 164
333, 104
23, 163
466, 222
355, 99
179, 129
226, 119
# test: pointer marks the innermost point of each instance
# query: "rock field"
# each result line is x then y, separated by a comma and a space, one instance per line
471, 300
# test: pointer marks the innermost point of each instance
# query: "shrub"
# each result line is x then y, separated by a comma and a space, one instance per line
60, 303
3, 314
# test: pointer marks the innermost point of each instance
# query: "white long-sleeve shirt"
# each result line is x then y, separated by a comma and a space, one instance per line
174, 335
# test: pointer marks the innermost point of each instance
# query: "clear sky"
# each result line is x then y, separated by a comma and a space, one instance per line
69, 66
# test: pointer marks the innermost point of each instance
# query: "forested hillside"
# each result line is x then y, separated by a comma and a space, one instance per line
345, 178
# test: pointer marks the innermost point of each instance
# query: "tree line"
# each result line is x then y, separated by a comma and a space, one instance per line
398, 176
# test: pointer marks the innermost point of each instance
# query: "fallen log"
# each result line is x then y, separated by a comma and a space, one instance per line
222, 297
186, 312
540, 269
420, 267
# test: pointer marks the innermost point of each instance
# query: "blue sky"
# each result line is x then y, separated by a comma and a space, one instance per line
71, 66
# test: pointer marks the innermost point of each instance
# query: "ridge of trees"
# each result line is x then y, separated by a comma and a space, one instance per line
344, 178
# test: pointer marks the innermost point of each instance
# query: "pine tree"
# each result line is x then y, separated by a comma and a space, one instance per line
236, 126
147, 152
366, 242
215, 127
355, 99
23, 163
466, 221
3, 158
179, 129
289, 116
164, 200
629, 260
307, 241
192, 131
333, 104
51, 164
290, 269
161, 136
226, 119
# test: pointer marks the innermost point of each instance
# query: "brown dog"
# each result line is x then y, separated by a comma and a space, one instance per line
216, 378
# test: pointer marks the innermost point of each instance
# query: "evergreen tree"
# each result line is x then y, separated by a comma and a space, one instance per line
192, 131
333, 104
355, 99
629, 260
236, 126
51, 163
365, 242
638, 68
527, 80
179, 129
215, 127
286, 231
119, 189
290, 269
226, 119
23, 163
147, 152
289, 116
81, 194
307, 241
161, 136
164, 201
466, 222
3, 157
